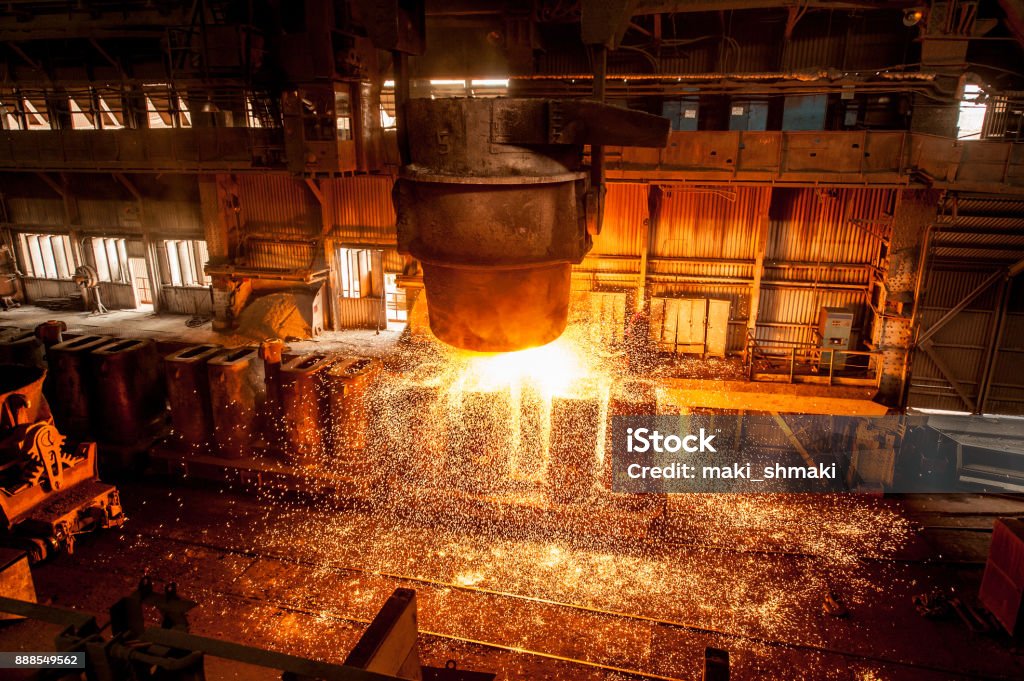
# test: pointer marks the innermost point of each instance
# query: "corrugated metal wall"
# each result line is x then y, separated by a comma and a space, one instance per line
704, 244
117, 296
614, 261
280, 222
180, 300
174, 219
833, 226
974, 237
279, 204
267, 254
392, 260
717, 223
703, 247
31, 211
109, 215
359, 209
362, 313
821, 246
625, 221
48, 288
1007, 393
960, 343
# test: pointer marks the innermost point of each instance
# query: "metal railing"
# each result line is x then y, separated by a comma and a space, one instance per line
798, 362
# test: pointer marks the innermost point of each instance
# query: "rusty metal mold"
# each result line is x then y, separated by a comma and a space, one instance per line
572, 459
188, 393
70, 386
349, 381
129, 390
304, 407
481, 440
628, 398
237, 394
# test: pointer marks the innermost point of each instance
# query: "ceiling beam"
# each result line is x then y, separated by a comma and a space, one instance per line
1014, 10
680, 6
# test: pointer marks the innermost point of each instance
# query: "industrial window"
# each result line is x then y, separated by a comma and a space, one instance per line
343, 114
158, 118
111, 257
23, 114
483, 87
110, 118
185, 260
47, 256
80, 120
488, 87
355, 270
972, 113
252, 114
388, 116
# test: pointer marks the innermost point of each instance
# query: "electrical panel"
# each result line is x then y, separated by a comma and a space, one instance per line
683, 114
748, 115
835, 327
804, 112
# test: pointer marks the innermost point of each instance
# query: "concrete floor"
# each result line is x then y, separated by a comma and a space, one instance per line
136, 324
747, 574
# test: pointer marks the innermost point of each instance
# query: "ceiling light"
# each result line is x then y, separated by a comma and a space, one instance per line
912, 17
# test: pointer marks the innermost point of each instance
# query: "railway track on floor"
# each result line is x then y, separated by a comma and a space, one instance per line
409, 580
338, 617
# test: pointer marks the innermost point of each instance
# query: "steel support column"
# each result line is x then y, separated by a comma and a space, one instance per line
219, 209
655, 199
904, 260
994, 341
760, 247
326, 227
943, 50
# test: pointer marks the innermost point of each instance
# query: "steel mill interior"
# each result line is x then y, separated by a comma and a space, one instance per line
612, 340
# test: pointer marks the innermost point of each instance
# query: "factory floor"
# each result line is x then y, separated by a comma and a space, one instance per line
139, 324
748, 574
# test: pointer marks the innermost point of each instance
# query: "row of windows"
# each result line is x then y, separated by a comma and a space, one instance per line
103, 109
117, 260
22, 113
